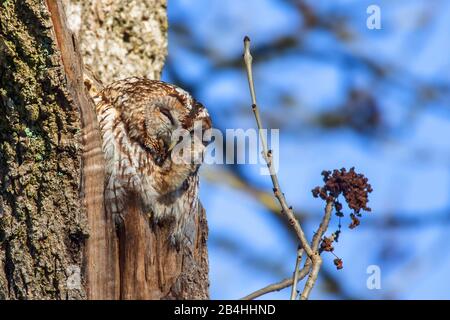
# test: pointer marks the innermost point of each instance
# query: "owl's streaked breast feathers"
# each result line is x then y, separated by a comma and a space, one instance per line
137, 117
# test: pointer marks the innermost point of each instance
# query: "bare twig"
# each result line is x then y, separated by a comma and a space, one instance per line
323, 226
315, 245
292, 281
279, 285
313, 254
287, 210
298, 262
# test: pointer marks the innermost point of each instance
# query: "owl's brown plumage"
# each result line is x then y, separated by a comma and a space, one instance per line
137, 118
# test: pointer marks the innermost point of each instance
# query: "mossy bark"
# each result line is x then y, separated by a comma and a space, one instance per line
42, 224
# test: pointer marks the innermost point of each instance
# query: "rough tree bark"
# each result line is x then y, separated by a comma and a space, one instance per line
42, 224
52, 222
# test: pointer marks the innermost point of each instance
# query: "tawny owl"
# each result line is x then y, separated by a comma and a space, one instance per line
138, 118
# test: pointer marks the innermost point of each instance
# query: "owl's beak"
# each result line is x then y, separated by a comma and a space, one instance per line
172, 145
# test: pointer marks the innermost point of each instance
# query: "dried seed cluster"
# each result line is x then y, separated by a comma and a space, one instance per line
338, 263
327, 244
353, 186
355, 189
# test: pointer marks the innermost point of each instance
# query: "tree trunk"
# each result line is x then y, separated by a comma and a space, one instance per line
56, 242
42, 224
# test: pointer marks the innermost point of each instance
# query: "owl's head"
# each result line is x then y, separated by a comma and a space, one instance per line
160, 112
172, 122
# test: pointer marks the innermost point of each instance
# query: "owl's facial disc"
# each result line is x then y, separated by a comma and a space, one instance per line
171, 123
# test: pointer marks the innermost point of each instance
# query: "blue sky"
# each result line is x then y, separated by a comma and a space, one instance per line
407, 164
